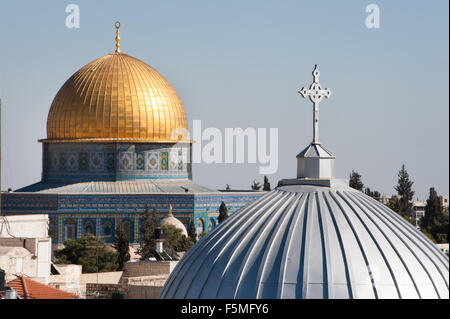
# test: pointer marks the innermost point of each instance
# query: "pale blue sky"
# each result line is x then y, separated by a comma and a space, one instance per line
240, 64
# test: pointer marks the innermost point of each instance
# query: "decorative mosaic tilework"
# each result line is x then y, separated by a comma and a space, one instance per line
54, 160
84, 161
173, 163
72, 161
211, 224
126, 161
96, 161
200, 226
140, 161
185, 158
181, 159
62, 160
109, 161
89, 226
164, 161
152, 161
108, 226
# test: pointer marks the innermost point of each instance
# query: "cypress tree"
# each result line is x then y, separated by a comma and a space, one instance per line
405, 192
121, 244
355, 181
435, 222
223, 212
192, 232
266, 186
147, 233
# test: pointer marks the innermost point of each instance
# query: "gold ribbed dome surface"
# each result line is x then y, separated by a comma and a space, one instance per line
116, 97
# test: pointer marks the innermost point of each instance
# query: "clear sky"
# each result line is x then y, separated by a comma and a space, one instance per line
240, 64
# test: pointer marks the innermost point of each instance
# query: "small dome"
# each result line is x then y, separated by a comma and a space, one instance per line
116, 98
171, 220
307, 241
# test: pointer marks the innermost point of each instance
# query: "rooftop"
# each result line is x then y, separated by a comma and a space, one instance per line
30, 289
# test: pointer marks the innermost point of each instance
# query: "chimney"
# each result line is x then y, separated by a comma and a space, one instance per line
159, 240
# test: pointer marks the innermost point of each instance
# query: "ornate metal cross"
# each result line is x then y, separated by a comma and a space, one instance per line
316, 94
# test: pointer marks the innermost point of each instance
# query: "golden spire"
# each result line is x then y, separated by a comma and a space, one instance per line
117, 25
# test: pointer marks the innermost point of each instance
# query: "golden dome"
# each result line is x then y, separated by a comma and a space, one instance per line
115, 98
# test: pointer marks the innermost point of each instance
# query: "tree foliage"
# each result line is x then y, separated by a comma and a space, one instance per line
174, 238
355, 181
266, 186
405, 192
435, 221
121, 244
223, 212
146, 240
256, 186
85, 251
374, 194
192, 233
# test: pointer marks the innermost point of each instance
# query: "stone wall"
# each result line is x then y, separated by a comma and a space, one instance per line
148, 268
106, 291
111, 277
103, 291
143, 292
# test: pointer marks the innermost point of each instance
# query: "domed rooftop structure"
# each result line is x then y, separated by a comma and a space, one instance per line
312, 237
116, 98
116, 118
171, 220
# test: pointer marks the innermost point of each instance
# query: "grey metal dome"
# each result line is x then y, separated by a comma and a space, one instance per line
312, 237
308, 241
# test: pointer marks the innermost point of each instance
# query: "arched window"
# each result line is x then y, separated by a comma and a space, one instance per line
127, 229
108, 231
200, 226
211, 224
89, 228
70, 229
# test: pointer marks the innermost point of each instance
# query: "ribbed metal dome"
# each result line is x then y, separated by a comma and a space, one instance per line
312, 237
309, 241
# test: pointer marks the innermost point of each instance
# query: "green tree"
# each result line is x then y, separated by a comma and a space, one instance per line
89, 252
393, 204
405, 193
192, 233
266, 186
355, 181
121, 244
256, 186
374, 194
435, 221
146, 240
174, 238
223, 212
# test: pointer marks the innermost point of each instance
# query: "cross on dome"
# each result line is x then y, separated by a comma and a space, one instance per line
315, 94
